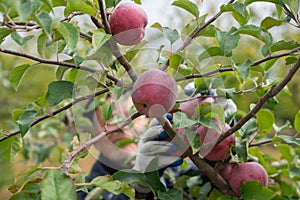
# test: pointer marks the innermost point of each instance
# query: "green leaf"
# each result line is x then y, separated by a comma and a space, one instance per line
107, 110
4, 33
58, 91
80, 6
10, 147
290, 60
17, 74
132, 52
244, 69
255, 190
170, 194
175, 60
158, 26
60, 72
242, 150
256, 32
111, 3
171, 34
25, 195
248, 2
45, 22
70, 33
19, 39
99, 38
297, 121
279, 46
25, 176
180, 120
78, 60
248, 128
42, 43
265, 120
24, 9
57, 186
286, 138
294, 172
57, 3
210, 52
209, 31
26, 119
209, 123
193, 139
239, 12
107, 183
287, 152
227, 41
188, 6
270, 22
16, 114
113, 186
150, 179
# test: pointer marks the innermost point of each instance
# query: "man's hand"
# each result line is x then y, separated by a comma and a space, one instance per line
154, 148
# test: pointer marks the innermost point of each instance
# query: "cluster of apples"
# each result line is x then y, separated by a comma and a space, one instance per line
155, 93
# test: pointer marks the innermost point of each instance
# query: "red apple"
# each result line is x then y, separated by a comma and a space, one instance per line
154, 93
225, 172
127, 24
209, 136
190, 107
245, 172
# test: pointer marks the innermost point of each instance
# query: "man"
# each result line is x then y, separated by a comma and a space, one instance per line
153, 143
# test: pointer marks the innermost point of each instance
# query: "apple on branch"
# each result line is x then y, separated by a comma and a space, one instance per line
208, 138
237, 173
154, 93
127, 24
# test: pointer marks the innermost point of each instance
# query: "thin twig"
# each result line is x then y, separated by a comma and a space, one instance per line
271, 93
208, 74
46, 116
67, 163
260, 143
104, 17
228, 69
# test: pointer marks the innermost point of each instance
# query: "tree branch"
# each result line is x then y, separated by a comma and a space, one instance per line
61, 63
202, 165
271, 93
67, 163
69, 105
45, 61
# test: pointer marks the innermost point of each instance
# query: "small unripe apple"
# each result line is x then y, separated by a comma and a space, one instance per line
243, 172
127, 24
154, 93
209, 136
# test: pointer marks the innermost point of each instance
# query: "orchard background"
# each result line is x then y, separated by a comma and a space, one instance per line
53, 60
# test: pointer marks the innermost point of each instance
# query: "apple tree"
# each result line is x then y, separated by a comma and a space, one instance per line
57, 55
